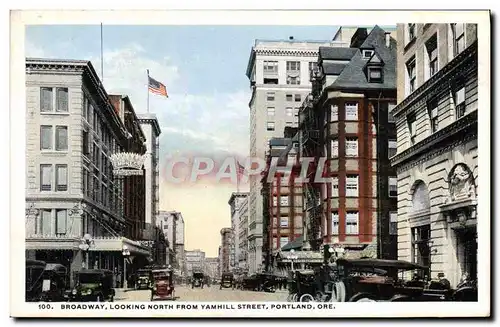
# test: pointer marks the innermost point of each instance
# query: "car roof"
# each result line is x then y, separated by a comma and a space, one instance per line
382, 263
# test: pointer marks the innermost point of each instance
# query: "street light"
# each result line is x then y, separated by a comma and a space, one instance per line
126, 253
293, 257
87, 243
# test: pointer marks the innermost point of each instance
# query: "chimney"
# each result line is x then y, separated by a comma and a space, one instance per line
290, 38
387, 39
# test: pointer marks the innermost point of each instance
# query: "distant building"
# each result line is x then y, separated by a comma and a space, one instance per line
211, 267
437, 147
195, 261
226, 240
235, 202
243, 236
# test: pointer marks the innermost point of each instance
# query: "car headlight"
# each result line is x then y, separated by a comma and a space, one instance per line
74, 292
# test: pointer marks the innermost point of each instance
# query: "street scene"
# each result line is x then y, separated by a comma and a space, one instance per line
270, 167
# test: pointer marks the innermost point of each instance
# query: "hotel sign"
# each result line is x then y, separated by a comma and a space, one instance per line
127, 164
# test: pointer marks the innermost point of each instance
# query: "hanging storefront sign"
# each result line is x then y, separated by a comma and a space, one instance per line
127, 164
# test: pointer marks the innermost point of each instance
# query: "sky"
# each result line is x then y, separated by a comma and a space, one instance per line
206, 114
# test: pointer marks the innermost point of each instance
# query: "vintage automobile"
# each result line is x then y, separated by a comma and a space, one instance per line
55, 283
227, 281
302, 285
370, 280
163, 285
198, 279
144, 279
34, 272
93, 285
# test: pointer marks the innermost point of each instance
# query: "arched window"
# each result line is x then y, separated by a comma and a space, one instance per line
420, 199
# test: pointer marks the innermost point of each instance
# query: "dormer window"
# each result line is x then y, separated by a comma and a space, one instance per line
367, 54
375, 75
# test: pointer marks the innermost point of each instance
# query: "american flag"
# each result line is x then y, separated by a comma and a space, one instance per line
157, 87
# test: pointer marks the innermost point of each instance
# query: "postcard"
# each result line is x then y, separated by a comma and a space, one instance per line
250, 164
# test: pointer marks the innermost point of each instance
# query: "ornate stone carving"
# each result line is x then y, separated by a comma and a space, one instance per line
461, 183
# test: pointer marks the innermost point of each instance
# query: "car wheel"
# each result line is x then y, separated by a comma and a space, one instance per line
363, 297
289, 297
295, 297
306, 298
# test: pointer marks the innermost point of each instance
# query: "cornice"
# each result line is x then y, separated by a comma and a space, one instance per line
286, 52
435, 83
421, 152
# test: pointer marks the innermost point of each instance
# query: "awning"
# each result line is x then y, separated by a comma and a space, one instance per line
300, 257
296, 244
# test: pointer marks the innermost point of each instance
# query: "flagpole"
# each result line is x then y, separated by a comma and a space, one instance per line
102, 59
147, 89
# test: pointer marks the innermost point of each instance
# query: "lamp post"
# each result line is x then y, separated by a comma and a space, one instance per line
126, 253
292, 258
87, 243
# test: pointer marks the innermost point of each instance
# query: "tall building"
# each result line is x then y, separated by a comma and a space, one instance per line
172, 224
437, 157
195, 261
283, 216
71, 192
243, 236
279, 78
346, 122
151, 128
225, 249
235, 203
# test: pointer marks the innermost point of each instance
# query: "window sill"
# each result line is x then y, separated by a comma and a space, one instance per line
55, 113
409, 44
53, 152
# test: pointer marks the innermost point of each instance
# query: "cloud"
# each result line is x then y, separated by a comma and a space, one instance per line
32, 50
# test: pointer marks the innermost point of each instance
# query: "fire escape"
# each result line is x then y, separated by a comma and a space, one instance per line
309, 124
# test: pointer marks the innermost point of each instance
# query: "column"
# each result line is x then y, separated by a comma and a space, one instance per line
76, 265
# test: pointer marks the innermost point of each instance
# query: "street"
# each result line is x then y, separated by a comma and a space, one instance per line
207, 294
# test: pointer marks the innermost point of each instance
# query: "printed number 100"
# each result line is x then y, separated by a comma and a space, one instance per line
44, 306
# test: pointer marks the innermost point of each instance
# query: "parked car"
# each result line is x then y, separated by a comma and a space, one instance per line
197, 280
163, 284
34, 272
93, 285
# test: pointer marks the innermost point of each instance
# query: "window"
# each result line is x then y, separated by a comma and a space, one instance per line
46, 137
312, 66
62, 99
351, 223
335, 187
289, 111
61, 138
367, 54
412, 127
268, 80
61, 177
432, 107
420, 244
293, 80
298, 98
351, 185
61, 221
432, 54
292, 65
270, 67
393, 187
335, 223
45, 223
270, 126
458, 37
411, 32
351, 111
411, 75
390, 116
270, 111
393, 148
375, 75
284, 201
85, 142
335, 148
334, 113
296, 112
351, 147
45, 177
284, 222
283, 241
393, 223
270, 96
289, 124
47, 99
289, 97
459, 100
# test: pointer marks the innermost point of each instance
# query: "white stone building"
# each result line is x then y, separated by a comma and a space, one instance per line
172, 224
72, 130
279, 77
235, 202
195, 261
437, 147
243, 235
